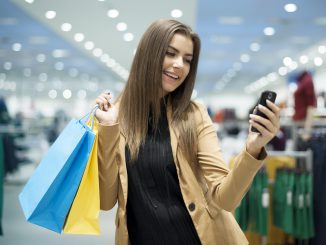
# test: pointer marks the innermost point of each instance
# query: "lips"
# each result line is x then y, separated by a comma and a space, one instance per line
171, 75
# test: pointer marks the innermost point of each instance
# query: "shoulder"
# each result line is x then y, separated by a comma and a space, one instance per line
200, 112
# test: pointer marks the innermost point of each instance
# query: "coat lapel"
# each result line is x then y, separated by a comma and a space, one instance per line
123, 168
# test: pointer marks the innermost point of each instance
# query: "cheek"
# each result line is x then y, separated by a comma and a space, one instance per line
186, 73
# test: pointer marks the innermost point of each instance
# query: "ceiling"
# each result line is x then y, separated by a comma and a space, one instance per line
37, 58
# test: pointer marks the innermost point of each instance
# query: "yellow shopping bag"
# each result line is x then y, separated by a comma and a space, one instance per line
84, 211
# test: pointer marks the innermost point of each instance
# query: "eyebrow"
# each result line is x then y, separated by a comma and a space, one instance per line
176, 50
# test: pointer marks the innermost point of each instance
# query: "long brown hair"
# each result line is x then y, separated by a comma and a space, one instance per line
143, 90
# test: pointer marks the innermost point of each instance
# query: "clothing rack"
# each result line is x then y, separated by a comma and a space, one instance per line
307, 155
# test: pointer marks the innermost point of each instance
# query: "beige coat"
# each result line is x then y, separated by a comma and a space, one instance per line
210, 191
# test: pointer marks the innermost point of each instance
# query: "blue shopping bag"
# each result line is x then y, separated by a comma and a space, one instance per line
47, 196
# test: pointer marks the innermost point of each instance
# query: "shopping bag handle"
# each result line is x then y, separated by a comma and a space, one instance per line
85, 118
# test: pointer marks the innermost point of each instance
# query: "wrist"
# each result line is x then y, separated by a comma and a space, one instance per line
253, 151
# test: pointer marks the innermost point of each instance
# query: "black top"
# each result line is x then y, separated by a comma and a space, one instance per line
156, 213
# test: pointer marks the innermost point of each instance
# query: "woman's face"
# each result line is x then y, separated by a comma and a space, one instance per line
176, 64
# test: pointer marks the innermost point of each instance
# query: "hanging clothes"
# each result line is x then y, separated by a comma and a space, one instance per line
318, 145
1, 182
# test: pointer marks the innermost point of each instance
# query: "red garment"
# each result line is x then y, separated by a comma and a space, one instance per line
304, 96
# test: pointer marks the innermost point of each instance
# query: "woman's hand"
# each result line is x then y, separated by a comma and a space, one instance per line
107, 113
267, 128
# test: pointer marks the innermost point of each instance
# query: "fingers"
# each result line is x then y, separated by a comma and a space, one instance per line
103, 100
261, 129
265, 122
272, 114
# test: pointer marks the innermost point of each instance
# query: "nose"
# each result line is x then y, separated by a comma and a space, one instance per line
178, 62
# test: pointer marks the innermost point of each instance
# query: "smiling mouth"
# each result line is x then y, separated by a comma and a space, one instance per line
173, 76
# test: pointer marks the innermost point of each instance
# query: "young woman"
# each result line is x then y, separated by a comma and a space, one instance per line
159, 155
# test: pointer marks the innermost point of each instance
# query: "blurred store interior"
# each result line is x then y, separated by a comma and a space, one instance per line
57, 56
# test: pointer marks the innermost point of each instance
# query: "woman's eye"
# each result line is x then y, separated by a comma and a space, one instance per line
170, 53
188, 61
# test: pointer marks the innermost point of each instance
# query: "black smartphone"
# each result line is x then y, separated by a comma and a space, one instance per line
266, 95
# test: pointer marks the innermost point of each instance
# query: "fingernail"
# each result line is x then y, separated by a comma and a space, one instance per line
251, 115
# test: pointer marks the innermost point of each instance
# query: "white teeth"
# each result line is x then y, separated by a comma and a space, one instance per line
172, 75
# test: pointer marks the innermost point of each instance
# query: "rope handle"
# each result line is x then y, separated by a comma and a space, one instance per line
89, 115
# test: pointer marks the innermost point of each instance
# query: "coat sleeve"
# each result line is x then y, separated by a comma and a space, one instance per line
108, 144
225, 188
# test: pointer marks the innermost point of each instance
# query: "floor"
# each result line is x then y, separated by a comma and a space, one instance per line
17, 231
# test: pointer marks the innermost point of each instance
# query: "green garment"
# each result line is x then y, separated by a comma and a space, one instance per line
262, 203
279, 198
241, 213
288, 215
309, 205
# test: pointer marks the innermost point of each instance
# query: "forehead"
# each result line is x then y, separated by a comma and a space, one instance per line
182, 43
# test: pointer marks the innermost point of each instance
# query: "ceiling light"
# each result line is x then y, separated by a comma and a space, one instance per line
111, 63
73, 72
79, 37
57, 83
52, 94
282, 71
303, 59
245, 58
105, 58
299, 39
27, 72
41, 58
97, 52
43, 77
16, 47
320, 21
290, 7
3, 76
271, 77
287, 61
60, 53
113, 13
269, 31
254, 47
92, 86
237, 66
50, 14
89, 45
59, 66
293, 65
217, 39
128, 37
81, 94
39, 87
29, 1
322, 49
67, 94
318, 61
84, 77
66, 27
7, 65
230, 20
121, 26
176, 13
